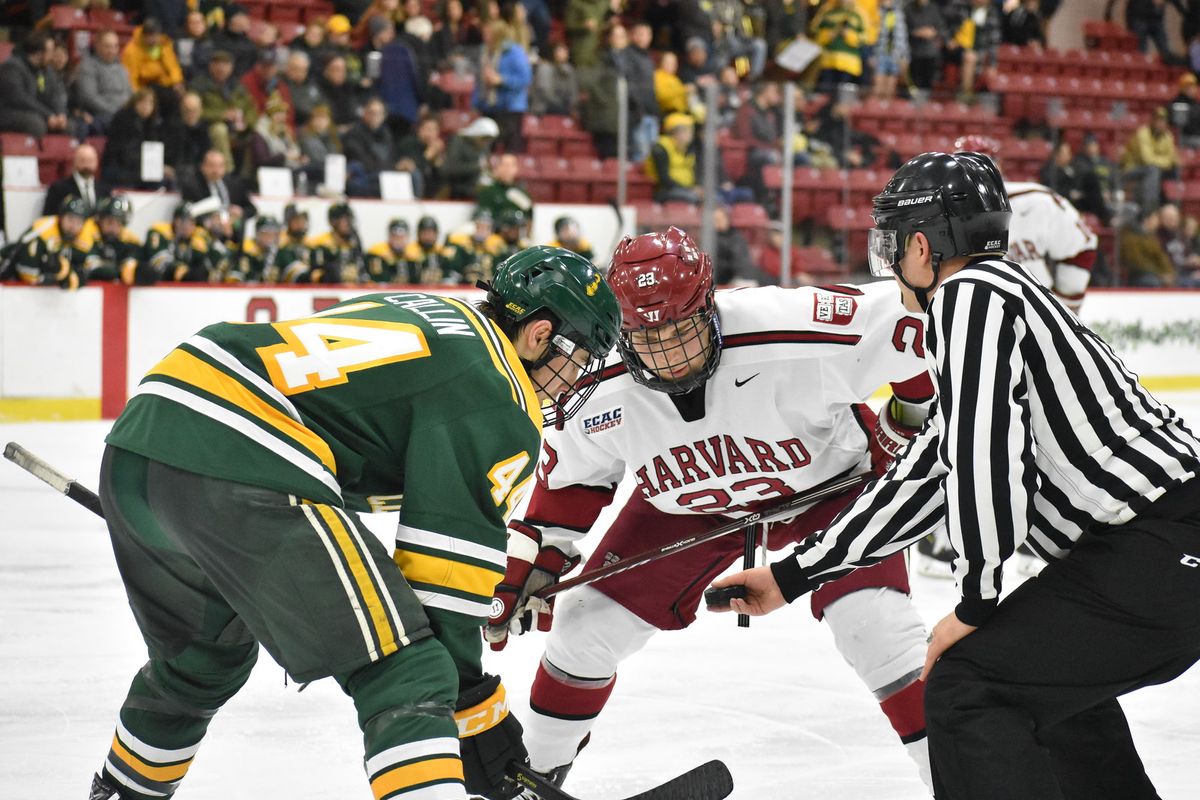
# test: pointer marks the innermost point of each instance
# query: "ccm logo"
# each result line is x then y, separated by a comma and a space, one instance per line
1190, 561
912, 201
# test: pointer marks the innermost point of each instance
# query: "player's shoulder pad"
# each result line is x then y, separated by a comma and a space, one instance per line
767, 309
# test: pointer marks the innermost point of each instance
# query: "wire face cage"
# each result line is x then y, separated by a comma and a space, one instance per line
676, 357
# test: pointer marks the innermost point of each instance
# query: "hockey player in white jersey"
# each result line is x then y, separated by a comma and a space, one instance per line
1048, 237
717, 404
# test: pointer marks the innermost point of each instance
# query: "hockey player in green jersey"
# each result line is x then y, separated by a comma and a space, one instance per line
228, 485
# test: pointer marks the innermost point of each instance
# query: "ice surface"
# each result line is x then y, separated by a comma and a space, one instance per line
775, 702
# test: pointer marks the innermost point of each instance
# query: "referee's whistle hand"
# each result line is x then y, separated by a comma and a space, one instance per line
945, 635
762, 592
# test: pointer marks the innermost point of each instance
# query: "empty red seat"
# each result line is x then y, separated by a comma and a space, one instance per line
277, 12
454, 120
18, 144
68, 18
57, 146
752, 220
459, 87
48, 172
815, 261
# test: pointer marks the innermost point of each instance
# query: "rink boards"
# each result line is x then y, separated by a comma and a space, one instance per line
76, 355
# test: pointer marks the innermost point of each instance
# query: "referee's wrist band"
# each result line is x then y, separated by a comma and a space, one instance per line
974, 611
792, 581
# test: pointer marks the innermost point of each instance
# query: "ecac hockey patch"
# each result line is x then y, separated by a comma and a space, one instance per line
833, 309
605, 420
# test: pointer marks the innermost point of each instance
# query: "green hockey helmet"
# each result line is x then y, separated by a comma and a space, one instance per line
511, 217
582, 308
183, 213
266, 222
340, 211
117, 207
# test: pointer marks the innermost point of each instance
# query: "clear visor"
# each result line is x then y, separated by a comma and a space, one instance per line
881, 252
579, 373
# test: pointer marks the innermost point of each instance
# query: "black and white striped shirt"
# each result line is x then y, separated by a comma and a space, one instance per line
1038, 431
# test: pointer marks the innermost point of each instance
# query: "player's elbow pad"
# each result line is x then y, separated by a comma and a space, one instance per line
1071, 278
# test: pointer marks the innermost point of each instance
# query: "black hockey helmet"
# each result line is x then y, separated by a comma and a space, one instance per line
957, 200
117, 207
73, 206
427, 223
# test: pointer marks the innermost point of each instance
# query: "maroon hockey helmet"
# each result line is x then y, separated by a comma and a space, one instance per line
664, 284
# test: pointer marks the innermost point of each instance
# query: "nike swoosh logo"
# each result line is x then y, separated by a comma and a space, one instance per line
742, 383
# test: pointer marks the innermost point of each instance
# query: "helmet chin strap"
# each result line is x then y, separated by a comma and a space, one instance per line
922, 292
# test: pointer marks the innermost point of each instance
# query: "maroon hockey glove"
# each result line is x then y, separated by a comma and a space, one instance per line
489, 737
531, 568
890, 439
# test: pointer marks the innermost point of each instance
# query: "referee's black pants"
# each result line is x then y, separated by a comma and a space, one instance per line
1025, 707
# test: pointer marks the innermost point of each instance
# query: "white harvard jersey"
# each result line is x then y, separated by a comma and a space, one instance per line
1044, 224
781, 413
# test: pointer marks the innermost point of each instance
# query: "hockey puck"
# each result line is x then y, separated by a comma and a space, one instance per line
719, 598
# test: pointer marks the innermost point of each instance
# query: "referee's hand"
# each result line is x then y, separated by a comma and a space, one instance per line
762, 592
945, 635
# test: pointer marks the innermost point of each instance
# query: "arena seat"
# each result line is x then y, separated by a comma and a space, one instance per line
18, 144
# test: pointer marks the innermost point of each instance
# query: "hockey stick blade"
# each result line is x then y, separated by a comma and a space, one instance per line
55, 479
710, 781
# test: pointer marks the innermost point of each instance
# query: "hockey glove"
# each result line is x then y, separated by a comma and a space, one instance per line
531, 567
891, 437
489, 737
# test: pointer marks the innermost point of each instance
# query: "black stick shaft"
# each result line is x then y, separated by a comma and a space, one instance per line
788, 507
60, 482
748, 563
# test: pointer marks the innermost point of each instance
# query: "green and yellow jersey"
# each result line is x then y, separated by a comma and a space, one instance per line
467, 260
46, 257
399, 401
583, 248
333, 259
385, 265
255, 264
428, 263
164, 258
113, 260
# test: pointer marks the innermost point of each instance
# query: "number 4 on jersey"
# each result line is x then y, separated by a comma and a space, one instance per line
322, 352
503, 476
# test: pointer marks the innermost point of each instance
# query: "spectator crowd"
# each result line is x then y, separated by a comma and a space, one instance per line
226, 91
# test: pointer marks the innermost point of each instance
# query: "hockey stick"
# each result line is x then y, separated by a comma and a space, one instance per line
776, 512
60, 482
709, 781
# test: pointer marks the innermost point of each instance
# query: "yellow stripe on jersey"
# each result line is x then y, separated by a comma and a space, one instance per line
506, 361
362, 578
437, 571
435, 769
170, 774
184, 366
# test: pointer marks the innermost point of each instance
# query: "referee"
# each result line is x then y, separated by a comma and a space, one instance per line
1039, 434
